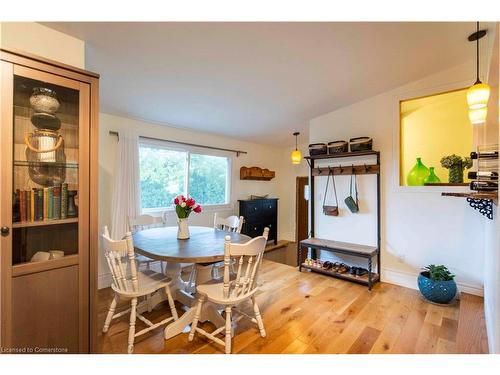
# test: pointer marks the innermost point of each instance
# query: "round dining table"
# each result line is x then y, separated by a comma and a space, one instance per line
204, 247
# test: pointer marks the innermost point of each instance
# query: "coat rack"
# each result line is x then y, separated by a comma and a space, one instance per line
313, 244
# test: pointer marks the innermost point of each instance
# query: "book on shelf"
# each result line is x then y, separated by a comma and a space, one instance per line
64, 201
50, 203
15, 208
56, 202
40, 206
45, 203
27, 195
22, 205
33, 205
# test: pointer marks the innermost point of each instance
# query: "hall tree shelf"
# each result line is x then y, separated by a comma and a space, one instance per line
313, 244
48, 303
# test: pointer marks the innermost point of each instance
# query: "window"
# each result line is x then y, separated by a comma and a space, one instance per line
432, 127
167, 171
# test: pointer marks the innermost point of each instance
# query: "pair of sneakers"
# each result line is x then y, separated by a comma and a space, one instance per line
358, 271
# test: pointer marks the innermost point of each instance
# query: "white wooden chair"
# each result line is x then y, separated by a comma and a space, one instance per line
229, 224
230, 292
131, 284
146, 222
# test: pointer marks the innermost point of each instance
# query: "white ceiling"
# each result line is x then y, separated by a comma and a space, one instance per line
259, 81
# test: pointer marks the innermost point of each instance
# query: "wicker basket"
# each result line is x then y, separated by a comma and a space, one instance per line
317, 149
337, 146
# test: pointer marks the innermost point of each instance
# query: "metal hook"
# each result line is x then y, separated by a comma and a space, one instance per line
341, 169
366, 168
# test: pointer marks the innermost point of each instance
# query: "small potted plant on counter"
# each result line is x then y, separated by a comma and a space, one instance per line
456, 165
437, 284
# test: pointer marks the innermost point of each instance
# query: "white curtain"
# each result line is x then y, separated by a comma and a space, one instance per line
126, 196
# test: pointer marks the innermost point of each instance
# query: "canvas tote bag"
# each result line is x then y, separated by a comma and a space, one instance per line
352, 203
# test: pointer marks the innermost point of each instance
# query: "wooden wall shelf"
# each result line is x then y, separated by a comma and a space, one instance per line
256, 173
493, 196
480, 201
342, 155
348, 170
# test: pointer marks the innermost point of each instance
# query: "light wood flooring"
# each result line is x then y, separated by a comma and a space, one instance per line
310, 313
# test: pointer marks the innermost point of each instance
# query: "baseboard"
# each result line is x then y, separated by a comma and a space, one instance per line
409, 280
104, 280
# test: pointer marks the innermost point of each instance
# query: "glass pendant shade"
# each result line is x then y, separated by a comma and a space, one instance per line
478, 116
478, 95
296, 156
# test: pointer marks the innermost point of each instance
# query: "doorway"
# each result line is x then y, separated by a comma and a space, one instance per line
302, 210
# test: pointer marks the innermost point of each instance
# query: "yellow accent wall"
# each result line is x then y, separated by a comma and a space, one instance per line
433, 127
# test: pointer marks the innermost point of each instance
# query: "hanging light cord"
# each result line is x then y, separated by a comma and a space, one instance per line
477, 54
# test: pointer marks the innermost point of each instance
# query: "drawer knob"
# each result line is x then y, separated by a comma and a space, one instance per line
5, 231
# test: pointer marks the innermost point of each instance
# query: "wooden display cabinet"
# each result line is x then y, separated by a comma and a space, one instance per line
48, 205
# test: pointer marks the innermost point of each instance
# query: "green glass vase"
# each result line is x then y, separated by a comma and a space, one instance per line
432, 178
418, 174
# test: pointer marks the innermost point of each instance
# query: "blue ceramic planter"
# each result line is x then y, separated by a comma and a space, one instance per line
436, 291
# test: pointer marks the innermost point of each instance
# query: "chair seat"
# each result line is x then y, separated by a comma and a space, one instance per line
214, 292
149, 282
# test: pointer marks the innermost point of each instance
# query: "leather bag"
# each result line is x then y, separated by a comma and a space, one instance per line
330, 210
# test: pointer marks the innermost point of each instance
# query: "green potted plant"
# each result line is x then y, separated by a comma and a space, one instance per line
437, 284
456, 165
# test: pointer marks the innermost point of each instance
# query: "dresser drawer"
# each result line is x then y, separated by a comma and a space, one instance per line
252, 209
268, 209
253, 230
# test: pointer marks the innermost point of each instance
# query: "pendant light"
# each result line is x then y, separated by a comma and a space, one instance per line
296, 155
479, 93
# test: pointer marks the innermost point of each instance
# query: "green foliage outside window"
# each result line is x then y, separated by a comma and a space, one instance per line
163, 177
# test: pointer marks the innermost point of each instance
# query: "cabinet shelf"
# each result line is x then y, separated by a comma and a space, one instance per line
41, 223
24, 163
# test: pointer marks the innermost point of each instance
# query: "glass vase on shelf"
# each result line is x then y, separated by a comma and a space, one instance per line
417, 174
432, 178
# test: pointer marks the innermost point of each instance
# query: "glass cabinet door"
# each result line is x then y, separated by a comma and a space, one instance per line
45, 172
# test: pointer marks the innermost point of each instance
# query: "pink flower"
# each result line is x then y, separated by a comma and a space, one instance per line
190, 202
197, 209
176, 200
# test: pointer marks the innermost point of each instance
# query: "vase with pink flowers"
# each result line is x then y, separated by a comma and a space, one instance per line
183, 207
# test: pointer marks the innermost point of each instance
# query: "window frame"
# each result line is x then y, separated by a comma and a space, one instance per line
397, 98
171, 146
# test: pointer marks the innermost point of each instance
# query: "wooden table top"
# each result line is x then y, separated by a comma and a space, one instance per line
205, 245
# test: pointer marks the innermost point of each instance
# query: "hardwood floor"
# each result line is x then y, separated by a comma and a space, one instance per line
310, 313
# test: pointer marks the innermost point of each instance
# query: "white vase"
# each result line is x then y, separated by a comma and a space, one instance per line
183, 231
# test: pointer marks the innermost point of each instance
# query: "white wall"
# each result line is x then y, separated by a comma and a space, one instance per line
277, 159
419, 226
43, 41
492, 240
